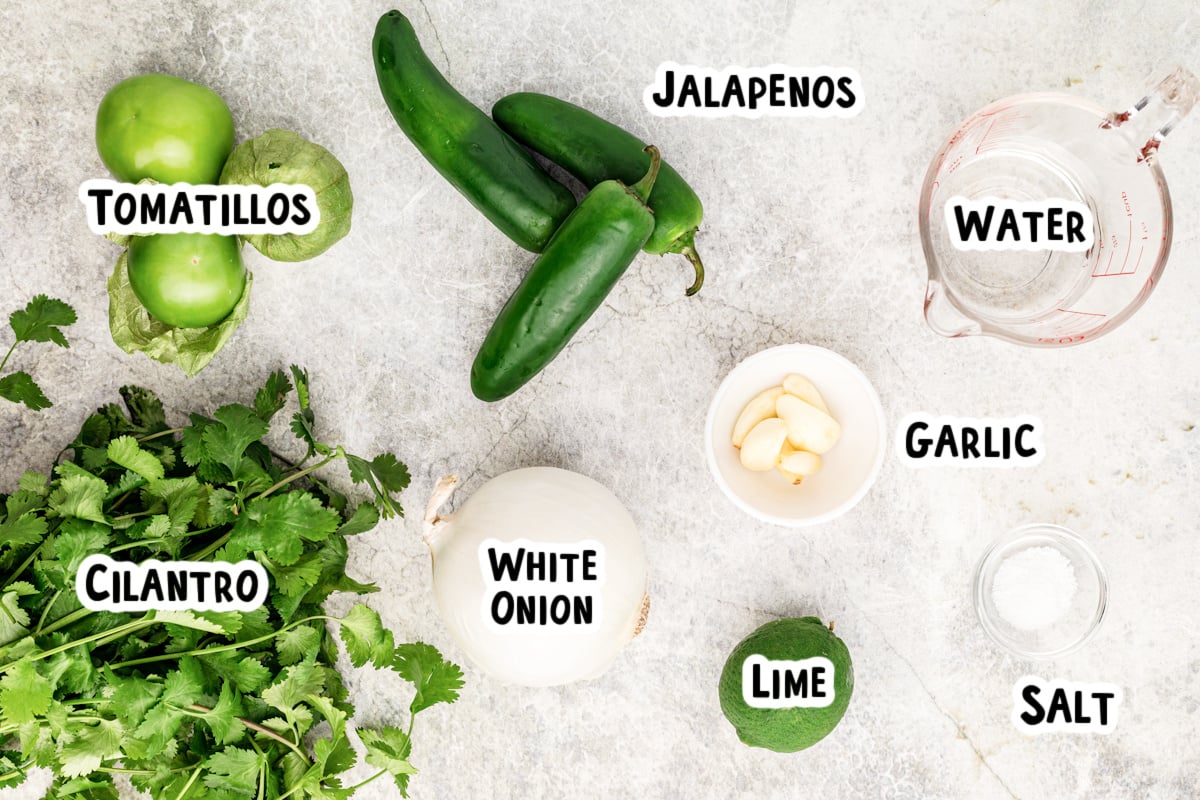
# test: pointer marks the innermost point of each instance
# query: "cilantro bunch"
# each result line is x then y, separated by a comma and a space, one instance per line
217, 705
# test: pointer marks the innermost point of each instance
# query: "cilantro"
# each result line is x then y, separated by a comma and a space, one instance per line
24, 693
385, 475
436, 680
124, 450
20, 388
365, 637
39, 321
190, 704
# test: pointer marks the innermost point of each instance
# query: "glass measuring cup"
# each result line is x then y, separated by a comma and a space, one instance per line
1037, 147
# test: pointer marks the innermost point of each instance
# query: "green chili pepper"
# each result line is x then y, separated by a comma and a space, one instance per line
593, 150
462, 143
567, 283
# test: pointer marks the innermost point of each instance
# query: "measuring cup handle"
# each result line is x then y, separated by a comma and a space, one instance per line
1150, 119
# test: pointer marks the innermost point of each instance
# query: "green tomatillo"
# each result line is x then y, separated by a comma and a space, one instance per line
164, 128
280, 156
188, 280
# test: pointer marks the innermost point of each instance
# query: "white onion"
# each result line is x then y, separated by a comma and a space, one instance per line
557, 508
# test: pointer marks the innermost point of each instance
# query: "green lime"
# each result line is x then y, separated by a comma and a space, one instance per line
786, 730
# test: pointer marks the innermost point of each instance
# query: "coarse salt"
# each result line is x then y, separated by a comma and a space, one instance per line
1034, 588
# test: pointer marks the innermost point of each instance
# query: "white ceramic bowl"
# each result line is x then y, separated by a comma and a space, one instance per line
848, 470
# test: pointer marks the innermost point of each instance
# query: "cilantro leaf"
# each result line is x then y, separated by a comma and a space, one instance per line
298, 578
272, 396
18, 531
235, 769
132, 697
365, 637
24, 693
364, 518
223, 719
298, 681
14, 620
296, 644
235, 429
146, 412
124, 450
79, 494
281, 523
436, 680
39, 321
20, 388
300, 376
184, 685
247, 674
155, 733
385, 475
90, 746
84, 789
388, 749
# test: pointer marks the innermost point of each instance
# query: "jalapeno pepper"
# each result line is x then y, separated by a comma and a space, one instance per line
593, 150
566, 284
492, 171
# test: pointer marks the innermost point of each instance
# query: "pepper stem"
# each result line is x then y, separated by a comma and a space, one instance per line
643, 187
685, 246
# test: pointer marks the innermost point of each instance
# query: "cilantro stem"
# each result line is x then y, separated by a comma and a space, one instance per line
116, 632
188, 786
46, 610
352, 789
122, 771
161, 434
25, 564
210, 549
16, 773
63, 622
155, 542
295, 476
9, 353
254, 726
203, 651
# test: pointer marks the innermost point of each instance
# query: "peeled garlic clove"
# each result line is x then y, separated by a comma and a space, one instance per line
803, 388
799, 462
758, 409
762, 446
792, 477
808, 428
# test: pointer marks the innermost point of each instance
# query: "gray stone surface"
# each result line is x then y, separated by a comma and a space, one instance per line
810, 235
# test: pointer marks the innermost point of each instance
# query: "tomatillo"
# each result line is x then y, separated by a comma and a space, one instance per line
164, 128
187, 280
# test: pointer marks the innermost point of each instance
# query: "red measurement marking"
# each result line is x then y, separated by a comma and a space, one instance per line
1128, 240
983, 139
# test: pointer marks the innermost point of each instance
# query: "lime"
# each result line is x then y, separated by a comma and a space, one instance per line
786, 730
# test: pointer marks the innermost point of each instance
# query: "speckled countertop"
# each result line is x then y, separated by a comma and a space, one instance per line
810, 236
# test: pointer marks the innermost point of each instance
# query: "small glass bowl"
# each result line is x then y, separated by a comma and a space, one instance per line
1081, 620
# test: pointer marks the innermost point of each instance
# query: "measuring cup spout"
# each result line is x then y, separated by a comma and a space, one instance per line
1150, 119
943, 317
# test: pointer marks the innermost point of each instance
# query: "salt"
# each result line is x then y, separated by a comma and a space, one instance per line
1034, 588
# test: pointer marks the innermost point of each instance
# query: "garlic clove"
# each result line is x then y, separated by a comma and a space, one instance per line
803, 388
808, 428
758, 409
792, 477
799, 462
762, 446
